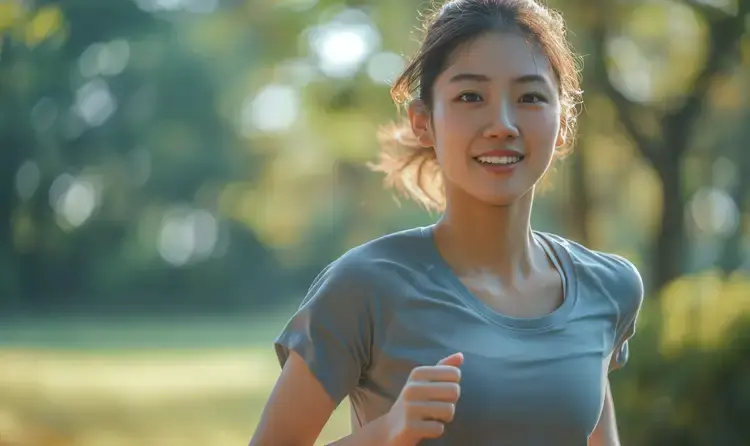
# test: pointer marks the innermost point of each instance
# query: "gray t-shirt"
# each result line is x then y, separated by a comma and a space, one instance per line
392, 304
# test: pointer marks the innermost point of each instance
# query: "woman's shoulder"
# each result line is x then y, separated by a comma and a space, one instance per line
372, 264
611, 270
389, 249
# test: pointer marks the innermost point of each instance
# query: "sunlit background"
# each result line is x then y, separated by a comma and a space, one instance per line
175, 172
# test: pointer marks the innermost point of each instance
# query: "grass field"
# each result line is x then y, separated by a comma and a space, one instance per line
190, 382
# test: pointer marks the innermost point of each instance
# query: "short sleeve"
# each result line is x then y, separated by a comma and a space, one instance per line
629, 299
621, 353
332, 330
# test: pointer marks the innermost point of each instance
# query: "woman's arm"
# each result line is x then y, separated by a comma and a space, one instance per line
298, 409
605, 433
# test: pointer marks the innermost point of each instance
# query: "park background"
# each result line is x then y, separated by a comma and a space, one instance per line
173, 174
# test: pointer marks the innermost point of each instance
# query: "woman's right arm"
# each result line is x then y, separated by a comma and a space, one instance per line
324, 349
298, 409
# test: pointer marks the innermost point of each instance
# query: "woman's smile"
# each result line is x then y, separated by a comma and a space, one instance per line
500, 161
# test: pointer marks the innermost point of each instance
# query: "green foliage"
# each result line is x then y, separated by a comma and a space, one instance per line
141, 173
696, 397
124, 124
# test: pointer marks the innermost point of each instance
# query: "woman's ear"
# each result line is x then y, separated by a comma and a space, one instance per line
421, 124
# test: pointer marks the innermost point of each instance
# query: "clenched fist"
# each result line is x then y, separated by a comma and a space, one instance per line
426, 403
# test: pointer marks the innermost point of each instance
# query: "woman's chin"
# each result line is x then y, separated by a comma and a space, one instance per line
506, 194
490, 193
502, 198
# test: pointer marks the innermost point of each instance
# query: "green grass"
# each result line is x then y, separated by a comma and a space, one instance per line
191, 382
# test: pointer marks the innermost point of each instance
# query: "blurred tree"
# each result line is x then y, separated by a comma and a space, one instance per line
112, 164
146, 161
662, 132
692, 397
733, 254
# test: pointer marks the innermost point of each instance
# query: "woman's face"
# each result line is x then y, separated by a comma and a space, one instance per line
495, 119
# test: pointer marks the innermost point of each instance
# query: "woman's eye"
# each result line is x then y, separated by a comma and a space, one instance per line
469, 97
533, 98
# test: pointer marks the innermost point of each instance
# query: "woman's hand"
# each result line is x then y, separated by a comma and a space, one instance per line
426, 403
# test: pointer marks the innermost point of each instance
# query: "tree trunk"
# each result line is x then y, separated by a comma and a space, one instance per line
665, 151
732, 253
580, 199
12, 143
671, 242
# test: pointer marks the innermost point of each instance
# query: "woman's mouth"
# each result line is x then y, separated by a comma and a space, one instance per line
499, 160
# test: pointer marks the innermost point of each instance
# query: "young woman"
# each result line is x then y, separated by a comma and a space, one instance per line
477, 330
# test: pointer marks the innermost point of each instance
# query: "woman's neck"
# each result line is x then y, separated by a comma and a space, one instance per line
477, 238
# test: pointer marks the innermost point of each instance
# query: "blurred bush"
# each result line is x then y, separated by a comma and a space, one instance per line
688, 381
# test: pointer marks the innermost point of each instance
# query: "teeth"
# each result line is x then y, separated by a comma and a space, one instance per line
499, 159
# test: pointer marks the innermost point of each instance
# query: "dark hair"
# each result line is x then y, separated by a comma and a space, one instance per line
412, 169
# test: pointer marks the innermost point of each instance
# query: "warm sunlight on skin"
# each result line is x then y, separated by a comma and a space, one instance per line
605, 433
481, 103
493, 118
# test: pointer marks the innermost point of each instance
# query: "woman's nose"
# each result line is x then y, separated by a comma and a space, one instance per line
503, 123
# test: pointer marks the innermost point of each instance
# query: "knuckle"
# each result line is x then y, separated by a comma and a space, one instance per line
410, 410
434, 429
457, 373
449, 374
455, 391
417, 372
410, 391
413, 429
451, 411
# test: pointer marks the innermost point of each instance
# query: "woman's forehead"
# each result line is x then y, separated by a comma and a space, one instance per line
498, 56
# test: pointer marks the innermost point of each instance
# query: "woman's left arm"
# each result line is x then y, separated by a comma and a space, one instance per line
605, 433
629, 291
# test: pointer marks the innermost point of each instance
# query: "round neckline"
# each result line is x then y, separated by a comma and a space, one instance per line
562, 262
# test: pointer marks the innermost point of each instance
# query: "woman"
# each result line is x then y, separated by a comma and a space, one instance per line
476, 330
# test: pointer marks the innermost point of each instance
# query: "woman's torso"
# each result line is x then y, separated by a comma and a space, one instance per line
536, 381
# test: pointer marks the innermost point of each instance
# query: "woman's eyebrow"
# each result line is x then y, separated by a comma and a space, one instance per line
475, 77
